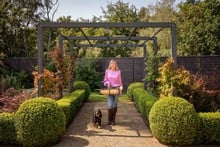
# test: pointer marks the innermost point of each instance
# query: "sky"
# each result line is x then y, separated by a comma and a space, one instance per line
88, 8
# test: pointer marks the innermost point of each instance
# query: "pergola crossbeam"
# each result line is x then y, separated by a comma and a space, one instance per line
105, 38
106, 24
85, 36
130, 35
108, 45
158, 31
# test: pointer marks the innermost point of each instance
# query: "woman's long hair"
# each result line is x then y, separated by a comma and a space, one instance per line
109, 66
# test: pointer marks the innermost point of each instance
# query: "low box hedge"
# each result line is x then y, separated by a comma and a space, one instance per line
132, 86
143, 101
7, 129
209, 129
71, 104
25, 127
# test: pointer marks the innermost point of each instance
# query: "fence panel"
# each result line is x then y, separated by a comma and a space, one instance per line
132, 68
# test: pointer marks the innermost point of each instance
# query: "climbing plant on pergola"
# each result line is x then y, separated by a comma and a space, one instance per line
106, 25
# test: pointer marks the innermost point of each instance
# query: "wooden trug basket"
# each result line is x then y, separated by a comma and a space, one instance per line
109, 91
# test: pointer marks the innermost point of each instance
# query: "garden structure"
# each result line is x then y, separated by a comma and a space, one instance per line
172, 120
106, 25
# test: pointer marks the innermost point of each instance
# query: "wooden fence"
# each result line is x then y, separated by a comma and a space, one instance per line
132, 68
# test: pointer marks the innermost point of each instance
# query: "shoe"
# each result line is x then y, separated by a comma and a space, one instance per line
113, 123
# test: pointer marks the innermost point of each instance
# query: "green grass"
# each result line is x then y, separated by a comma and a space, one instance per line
97, 97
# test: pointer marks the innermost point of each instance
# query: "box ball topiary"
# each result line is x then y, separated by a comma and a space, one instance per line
39, 122
173, 120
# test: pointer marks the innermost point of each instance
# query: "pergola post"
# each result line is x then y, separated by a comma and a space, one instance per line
60, 44
145, 63
173, 43
40, 57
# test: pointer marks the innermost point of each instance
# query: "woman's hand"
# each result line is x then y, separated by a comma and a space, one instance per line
107, 84
120, 90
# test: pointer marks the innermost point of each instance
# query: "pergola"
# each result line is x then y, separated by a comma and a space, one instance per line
106, 25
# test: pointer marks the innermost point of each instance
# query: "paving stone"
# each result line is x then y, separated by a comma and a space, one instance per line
130, 129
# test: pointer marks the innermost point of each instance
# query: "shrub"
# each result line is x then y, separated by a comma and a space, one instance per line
144, 101
132, 86
172, 79
173, 120
71, 104
49, 81
39, 122
209, 130
152, 72
11, 78
7, 129
81, 85
11, 99
204, 91
85, 70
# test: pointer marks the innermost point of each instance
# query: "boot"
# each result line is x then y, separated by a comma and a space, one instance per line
114, 115
110, 112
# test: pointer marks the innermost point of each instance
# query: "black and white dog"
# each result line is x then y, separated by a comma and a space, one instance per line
97, 118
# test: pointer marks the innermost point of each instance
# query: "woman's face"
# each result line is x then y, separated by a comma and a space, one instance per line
113, 65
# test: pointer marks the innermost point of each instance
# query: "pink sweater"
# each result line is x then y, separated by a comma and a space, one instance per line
113, 78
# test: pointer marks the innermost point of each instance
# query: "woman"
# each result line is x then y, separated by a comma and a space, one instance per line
112, 79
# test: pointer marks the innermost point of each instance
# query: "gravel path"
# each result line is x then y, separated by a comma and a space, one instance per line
129, 131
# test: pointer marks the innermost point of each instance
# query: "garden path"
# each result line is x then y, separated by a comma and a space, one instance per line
130, 129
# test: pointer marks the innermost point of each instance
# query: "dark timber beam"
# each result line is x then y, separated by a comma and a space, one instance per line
158, 31
107, 24
108, 45
105, 38
85, 36
130, 35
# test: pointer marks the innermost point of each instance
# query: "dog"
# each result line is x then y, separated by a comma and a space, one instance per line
97, 118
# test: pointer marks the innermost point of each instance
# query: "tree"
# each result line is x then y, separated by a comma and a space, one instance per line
14, 33
198, 28
161, 11
119, 12
18, 27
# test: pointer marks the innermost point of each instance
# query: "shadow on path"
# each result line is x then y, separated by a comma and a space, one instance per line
130, 129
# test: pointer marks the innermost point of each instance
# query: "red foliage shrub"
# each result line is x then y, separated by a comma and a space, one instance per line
11, 99
204, 91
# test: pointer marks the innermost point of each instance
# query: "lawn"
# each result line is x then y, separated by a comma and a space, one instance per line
97, 97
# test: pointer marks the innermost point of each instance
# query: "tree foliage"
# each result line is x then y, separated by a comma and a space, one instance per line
18, 27
198, 28
120, 12
197, 22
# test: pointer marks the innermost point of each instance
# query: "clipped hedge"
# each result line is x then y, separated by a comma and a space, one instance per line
143, 101
132, 86
209, 130
7, 129
80, 85
173, 120
39, 122
71, 104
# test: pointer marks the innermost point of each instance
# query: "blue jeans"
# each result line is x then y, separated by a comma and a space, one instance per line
112, 101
